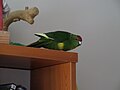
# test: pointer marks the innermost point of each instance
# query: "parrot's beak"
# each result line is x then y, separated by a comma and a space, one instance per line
79, 39
80, 42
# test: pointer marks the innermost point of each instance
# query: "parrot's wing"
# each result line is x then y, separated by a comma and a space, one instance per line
35, 44
43, 35
39, 43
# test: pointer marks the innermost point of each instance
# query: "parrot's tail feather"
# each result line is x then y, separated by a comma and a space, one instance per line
36, 44
33, 44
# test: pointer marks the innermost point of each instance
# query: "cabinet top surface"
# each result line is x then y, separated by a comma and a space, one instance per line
28, 57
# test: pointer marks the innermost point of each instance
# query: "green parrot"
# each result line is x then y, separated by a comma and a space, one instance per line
57, 40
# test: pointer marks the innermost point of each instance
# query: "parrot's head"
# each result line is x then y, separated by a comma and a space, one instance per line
77, 39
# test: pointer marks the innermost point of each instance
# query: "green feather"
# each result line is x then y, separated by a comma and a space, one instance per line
17, 44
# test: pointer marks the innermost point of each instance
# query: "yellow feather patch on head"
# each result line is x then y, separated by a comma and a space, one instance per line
61, 46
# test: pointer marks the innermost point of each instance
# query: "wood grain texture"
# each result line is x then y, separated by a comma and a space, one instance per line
31, 58
57, 77
50, 69
4, 37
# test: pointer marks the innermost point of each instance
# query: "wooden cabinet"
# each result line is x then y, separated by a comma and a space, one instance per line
50, 69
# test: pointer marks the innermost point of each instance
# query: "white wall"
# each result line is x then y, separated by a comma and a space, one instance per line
97, 21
